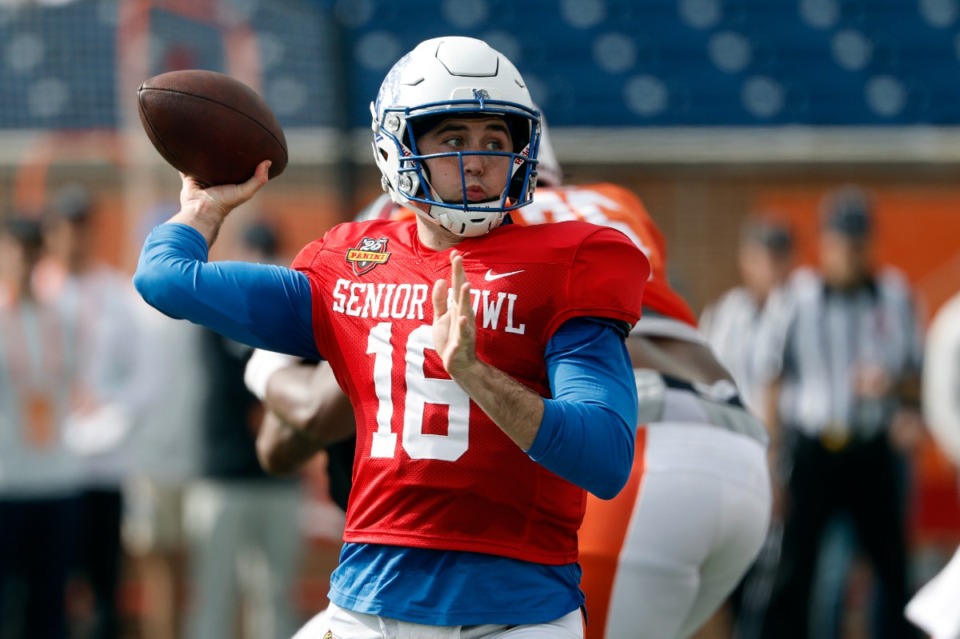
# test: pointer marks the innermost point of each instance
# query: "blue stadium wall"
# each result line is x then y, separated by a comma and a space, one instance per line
594, 63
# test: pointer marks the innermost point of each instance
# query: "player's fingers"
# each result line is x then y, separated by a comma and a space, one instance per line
457, 277
259, 178
466, 308
189, 189
439, 298
230, 196
464, 328
263, 171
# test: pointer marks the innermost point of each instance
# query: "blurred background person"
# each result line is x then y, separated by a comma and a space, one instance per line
841, 356
39, 474
934, 608
765, 257
765, 254
97, 302
245, 542
166, 458
306, 413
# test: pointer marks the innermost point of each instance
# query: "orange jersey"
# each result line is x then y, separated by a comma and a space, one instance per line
603, 204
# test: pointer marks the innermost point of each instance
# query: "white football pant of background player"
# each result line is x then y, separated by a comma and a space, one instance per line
934, 608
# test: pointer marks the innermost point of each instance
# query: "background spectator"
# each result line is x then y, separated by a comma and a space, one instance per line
242, 525
765, 256
166, 457
39, 474
764, 260
98, 303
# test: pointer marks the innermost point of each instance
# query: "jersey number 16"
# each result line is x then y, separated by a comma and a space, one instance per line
416, 443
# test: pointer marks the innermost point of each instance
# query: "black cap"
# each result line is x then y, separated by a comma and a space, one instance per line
261, 237
73, 202
773, 235
848, 211
26, 231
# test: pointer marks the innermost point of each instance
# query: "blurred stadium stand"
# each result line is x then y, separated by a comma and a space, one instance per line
622, 63
606, 63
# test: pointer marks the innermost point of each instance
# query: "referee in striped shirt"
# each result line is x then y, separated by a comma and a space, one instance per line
841, 355
764, 258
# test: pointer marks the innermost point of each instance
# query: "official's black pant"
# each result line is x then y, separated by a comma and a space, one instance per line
861, 479
37, 543
99, 556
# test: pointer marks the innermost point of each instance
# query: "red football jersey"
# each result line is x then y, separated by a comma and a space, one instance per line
603, 204
432, 470
611, 205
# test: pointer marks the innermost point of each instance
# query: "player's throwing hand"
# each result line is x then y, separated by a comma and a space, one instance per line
225, 197
454, 324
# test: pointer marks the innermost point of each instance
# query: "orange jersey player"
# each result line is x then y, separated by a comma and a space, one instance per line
659, 558
603, 204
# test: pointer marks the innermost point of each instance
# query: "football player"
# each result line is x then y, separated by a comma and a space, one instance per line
479, 432
662, 556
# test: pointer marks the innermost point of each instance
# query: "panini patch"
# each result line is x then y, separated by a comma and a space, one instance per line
370, 253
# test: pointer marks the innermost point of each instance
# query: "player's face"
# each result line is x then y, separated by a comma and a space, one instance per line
484, 176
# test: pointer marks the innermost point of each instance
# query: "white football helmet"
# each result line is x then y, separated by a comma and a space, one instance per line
453, 76
549, 172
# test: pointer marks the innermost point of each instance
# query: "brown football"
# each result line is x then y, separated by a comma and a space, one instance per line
210, 126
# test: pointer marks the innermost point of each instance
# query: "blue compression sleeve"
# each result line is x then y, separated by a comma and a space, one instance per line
262, 305
587, 434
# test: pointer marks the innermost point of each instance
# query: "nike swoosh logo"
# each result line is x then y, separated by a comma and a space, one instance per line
490, 275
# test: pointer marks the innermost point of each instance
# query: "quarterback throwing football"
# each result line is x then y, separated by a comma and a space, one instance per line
485, 361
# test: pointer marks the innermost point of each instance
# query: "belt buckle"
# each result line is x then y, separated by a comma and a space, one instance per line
835, 437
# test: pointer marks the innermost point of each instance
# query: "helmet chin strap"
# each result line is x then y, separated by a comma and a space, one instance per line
436, 215
442, 217
446, 217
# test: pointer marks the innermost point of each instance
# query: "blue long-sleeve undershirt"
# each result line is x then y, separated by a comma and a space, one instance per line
262, 305
587, 432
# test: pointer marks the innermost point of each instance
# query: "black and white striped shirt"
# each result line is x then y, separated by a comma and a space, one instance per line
815, 340
730, 325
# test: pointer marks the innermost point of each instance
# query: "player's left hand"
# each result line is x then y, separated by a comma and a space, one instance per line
454, 323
